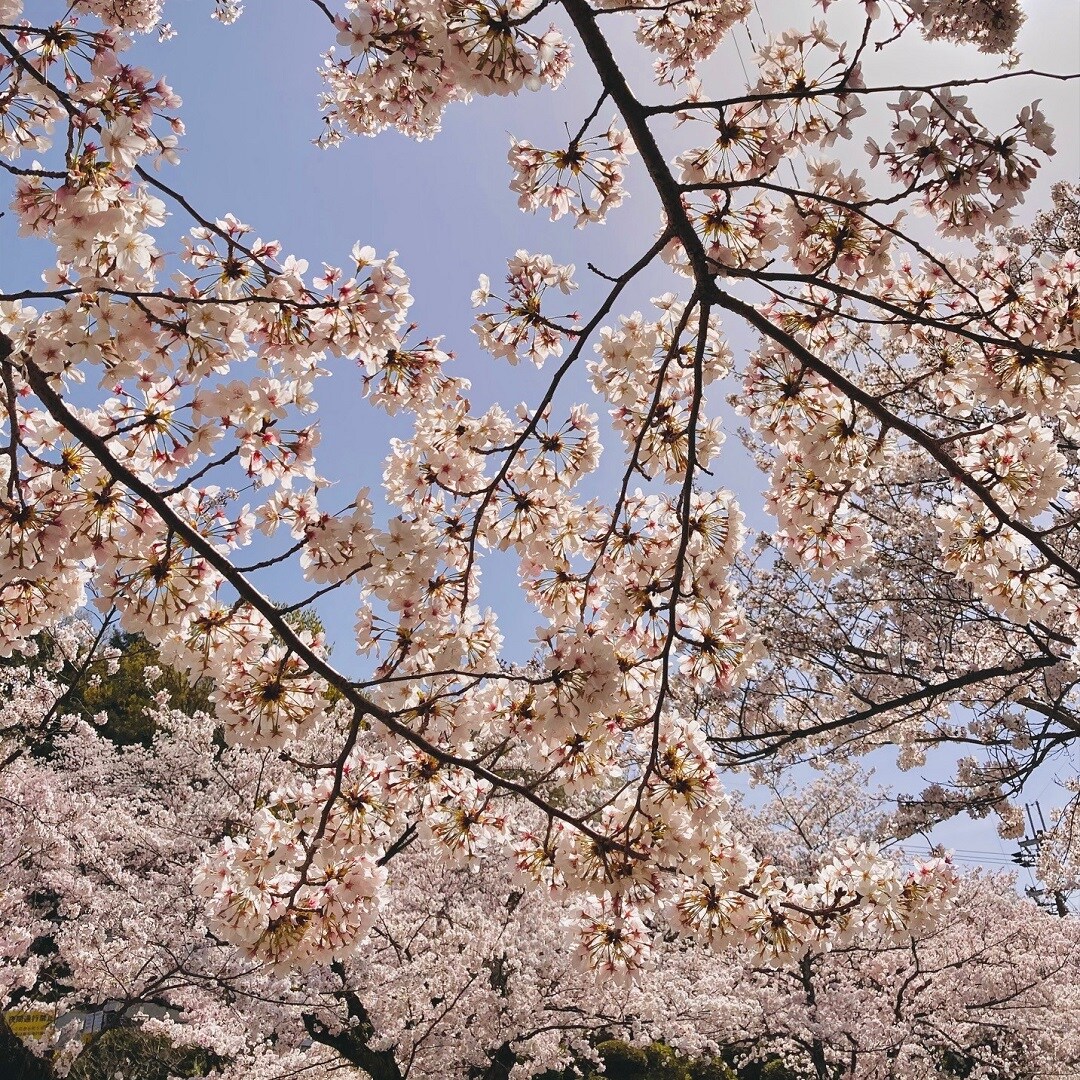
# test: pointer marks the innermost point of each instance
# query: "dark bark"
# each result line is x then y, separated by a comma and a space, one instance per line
353, 1042
816, 1047
502, 1061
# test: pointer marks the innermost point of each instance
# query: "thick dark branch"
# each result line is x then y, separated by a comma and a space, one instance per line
353, 1042
843, 89
921, 696
316, 663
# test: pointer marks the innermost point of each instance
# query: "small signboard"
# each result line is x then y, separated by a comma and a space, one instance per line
29, 1023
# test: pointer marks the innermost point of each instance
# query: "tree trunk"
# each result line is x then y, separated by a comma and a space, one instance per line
502, 1061
352, 1042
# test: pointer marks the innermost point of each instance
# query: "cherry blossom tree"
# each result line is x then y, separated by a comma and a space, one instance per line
469, 974
977, 995
157, 422
885, 654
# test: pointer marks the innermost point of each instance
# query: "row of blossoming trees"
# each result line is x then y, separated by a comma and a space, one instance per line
915, 411
464, 974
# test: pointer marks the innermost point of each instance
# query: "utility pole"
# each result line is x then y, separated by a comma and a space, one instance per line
1049, 899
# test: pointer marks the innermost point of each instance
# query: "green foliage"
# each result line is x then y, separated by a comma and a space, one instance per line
623, 1061
132, 1054
954, 1064
712, 1069
124, 696
776, 1070
558, 1074
959, 1064
665, 1064
302, 621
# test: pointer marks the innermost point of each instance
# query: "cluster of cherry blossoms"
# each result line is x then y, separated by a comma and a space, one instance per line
574, 178
967, 178
991, 25
114, 834
683, 35
521, 325
284, 901
408, 59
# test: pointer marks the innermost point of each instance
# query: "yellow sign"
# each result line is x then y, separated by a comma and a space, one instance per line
29, 1023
